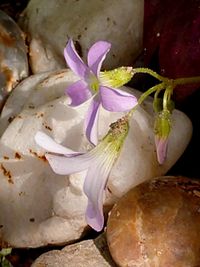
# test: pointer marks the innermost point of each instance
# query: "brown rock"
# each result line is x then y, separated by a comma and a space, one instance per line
157, 224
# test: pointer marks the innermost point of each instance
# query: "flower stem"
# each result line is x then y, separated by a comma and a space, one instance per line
167, 96
155, 88
178, 81
189, 80
166, 84
150, 72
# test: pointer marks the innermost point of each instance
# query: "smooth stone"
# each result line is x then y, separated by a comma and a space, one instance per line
88, 253
157, 224
39, 207
49, 24
13, 56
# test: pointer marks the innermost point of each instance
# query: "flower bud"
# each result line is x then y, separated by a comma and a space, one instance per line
162, 128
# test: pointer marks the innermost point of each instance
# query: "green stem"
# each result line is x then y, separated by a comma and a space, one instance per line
145, 95
155, 88
157, 93
191, 80
167, 96
167, 84
178, 81
150, 72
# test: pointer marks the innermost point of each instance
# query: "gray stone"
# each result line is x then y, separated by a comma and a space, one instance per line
49, 24
88, 253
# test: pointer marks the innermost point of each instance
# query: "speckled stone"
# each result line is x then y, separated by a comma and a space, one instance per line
119, 22
157, 224
13, 56
88, 253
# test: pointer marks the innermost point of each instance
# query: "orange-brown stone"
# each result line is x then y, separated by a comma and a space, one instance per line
157, 224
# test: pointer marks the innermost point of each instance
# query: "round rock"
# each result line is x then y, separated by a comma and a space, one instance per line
87, 253
13, 55
119, 22
157, 224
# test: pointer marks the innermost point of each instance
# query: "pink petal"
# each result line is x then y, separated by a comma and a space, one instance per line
91, 122
64, 166
50, 145
78, 92
161, 149
97, 54
94, 186
116, 100
74, 62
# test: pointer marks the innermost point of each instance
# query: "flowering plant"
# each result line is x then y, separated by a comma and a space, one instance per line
100, 87
96, 86
98, 162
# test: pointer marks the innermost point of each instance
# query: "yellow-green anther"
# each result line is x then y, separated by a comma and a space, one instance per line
94, 87
117, 77
94, 83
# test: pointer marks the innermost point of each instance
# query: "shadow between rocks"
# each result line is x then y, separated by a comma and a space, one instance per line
101, 244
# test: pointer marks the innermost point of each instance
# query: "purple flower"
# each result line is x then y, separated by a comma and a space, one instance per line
98, 162
90, 85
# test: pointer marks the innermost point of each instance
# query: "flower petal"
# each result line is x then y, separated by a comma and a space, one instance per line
50, 145
91, 122
94, 186
64, 166
78, 92
97, 54
74, 61
161, 149
116, 100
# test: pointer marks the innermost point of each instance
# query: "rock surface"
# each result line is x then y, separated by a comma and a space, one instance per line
157, 224
49, 24
87, 253
13, 55
39, 207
